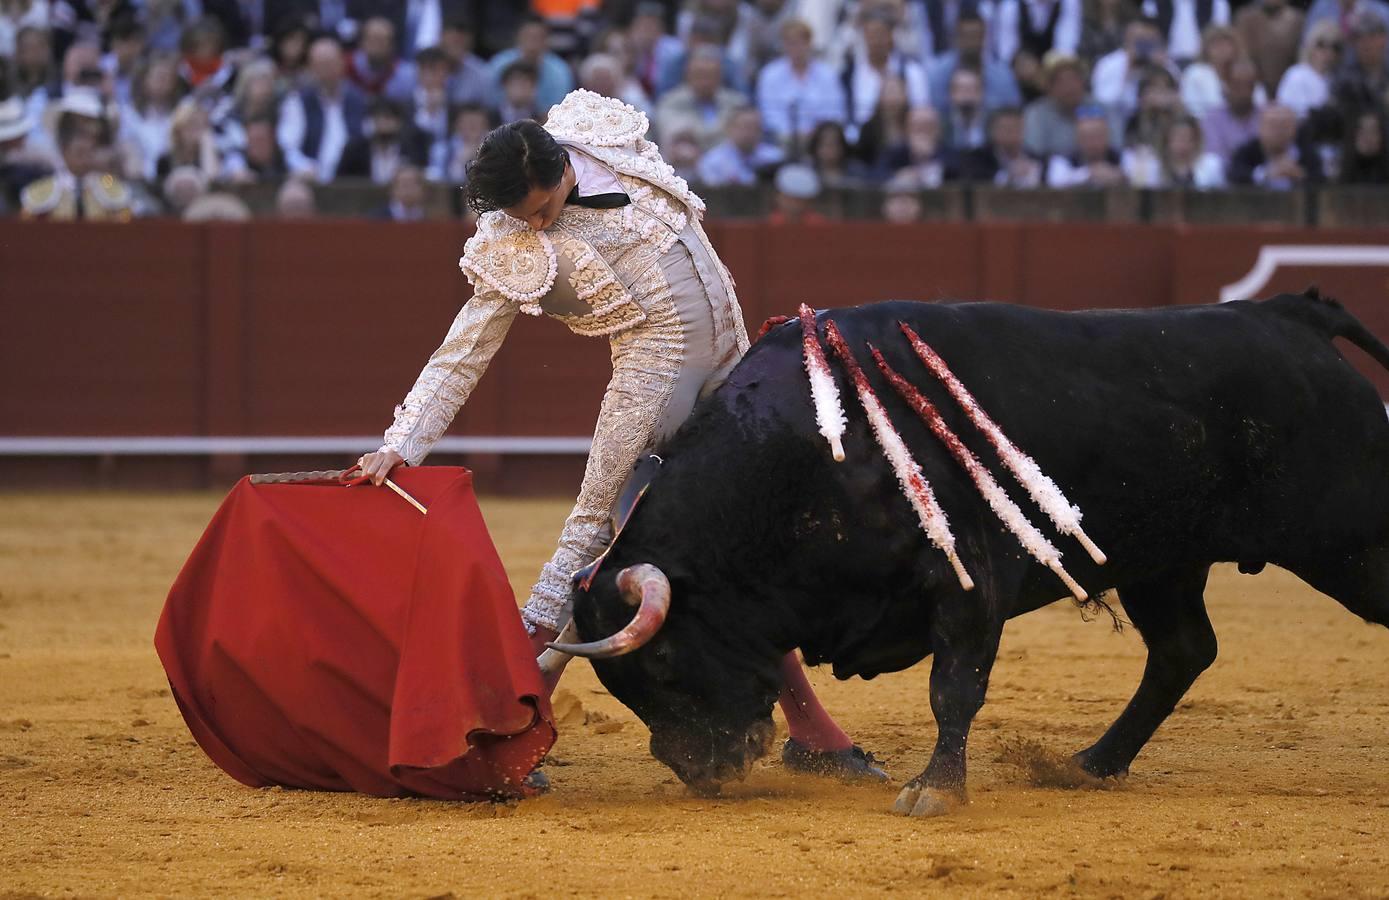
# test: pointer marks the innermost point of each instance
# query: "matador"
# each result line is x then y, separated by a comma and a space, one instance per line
587, 223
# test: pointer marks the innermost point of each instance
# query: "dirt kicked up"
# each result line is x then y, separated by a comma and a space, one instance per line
1272, 779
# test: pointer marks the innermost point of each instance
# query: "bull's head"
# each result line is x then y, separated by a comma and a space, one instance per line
705, 692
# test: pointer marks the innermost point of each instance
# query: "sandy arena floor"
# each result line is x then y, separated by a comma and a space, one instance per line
1271, 780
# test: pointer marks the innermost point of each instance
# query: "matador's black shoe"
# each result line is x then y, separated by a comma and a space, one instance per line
851, 764
537, 781
533, 785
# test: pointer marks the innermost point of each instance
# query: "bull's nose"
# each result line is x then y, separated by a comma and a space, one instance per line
671, 750
704, 768
705, 788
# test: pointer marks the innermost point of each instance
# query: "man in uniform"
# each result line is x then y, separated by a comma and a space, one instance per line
82, 189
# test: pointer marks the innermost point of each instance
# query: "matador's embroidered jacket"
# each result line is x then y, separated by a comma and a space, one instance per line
597, 271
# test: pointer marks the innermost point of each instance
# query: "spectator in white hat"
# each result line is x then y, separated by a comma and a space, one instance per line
15, 124
84, 88
18, 165
82, 108
796, 189
902, 199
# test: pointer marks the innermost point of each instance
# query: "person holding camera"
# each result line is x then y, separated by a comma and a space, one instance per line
1114, 82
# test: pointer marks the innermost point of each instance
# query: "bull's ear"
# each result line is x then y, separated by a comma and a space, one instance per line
583, 578
627, 504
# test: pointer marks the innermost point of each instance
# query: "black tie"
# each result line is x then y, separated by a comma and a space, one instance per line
598, 201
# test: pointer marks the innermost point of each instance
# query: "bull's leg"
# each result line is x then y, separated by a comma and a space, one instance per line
1170, 613
965, 635
1358, 580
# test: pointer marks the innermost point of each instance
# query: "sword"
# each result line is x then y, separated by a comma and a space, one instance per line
335, 477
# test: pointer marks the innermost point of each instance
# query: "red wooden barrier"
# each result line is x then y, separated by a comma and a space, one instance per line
271, 328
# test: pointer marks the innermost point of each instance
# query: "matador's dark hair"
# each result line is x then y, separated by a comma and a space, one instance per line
513, 160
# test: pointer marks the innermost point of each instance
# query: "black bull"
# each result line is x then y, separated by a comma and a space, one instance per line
1187, 436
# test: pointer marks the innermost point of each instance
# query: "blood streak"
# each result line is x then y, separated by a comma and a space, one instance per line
1003, 506
914, 484
1041, 488
768, 325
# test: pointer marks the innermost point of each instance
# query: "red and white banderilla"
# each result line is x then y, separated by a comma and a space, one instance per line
1003, 506
914, 484
1041, 488
824, 392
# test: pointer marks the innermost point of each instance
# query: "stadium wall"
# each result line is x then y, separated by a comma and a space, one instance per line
124, 349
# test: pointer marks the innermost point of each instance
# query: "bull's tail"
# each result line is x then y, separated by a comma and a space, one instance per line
1328, 316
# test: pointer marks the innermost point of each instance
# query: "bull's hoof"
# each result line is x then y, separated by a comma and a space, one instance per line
1098, 768
852, 764
925, 802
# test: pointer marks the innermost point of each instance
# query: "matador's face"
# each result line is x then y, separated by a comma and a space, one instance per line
542, 206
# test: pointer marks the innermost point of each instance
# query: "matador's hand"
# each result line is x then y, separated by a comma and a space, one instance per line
378, 465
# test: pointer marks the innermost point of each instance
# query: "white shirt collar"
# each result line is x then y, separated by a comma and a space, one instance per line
591, 176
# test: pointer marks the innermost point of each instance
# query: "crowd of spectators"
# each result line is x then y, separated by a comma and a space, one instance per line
157, 106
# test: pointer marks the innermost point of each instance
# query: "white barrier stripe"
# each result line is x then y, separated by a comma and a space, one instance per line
200, 445
1271, 256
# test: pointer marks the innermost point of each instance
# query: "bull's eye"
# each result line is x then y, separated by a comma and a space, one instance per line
662, 662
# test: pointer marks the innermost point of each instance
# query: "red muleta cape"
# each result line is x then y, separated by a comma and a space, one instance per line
336, 639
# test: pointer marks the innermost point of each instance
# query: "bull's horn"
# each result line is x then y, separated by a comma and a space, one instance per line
552, 662
645, 587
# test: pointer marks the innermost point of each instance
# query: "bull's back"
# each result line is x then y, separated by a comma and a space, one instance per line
1217, 426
